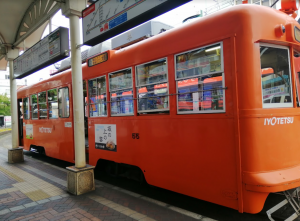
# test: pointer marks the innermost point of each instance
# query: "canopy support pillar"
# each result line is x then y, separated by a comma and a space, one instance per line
15, 155
80, 176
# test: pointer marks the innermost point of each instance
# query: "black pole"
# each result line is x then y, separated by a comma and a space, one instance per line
274, 3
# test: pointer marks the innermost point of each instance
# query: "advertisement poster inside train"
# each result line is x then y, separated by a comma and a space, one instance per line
106, 137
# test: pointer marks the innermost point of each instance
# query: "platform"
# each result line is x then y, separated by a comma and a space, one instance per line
35, 190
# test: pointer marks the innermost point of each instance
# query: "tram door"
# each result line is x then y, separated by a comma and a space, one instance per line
85, 101
20, 122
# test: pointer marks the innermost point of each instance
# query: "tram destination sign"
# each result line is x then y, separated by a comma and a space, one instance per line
54, 47
105, 19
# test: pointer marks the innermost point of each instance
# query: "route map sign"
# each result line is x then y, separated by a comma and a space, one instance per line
105, 19
52, 48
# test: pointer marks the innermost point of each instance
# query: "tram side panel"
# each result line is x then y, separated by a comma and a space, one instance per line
188, 156
193, 154
54, 135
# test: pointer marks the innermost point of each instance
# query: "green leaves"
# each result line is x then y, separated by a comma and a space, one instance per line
4, 105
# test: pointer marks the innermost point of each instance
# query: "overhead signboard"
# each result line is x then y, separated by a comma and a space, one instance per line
49, 50
105, 19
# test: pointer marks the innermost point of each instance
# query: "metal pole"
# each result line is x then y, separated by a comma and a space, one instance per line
274, 4
13, 106
77, 93
50, 25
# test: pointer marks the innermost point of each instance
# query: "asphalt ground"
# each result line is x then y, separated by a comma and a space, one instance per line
36, 190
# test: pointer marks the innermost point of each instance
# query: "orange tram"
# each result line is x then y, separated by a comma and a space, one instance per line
209, 109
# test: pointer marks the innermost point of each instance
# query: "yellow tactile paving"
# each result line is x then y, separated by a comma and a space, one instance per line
25, 187
10, 174
28, 183
37, 195
9, 190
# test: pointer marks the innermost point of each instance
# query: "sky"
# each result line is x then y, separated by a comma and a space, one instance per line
173, 18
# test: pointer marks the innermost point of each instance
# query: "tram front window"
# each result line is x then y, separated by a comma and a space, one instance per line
276, 77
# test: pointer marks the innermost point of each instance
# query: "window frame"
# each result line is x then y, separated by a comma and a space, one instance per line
277, 105
88, 104
59, 102
46, 102
29, 117
297, 85
31, 111
222, 72
138, 87
48, 107
111, 92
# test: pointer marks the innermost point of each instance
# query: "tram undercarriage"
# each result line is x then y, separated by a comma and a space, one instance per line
291, 204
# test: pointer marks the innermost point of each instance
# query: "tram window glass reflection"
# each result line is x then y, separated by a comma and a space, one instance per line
121, 92
200, 61
152, 86
200, 80
97, 97
63, 102
42, 105
26, 108
52, 103
275, 77
34, 108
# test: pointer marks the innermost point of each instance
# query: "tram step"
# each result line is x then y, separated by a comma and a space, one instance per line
291, 205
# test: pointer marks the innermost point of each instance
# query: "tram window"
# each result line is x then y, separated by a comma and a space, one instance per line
42, 105
97, 97
63, 102
200, 61
26, 108
52, 103
152, 86
34, 108
121, 92
200, 80
275, 76
204, 93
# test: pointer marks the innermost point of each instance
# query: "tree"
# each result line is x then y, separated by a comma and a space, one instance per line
4, 105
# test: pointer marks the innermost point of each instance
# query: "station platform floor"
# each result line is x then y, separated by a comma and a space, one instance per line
35, 190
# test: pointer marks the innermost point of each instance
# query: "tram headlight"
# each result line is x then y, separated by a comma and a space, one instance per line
279, 30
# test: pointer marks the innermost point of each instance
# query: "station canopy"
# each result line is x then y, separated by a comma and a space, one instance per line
23, 23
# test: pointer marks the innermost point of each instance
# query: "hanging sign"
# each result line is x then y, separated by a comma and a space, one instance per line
54, 47
107, 18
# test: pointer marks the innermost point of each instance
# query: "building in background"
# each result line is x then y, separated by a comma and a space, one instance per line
5, 85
